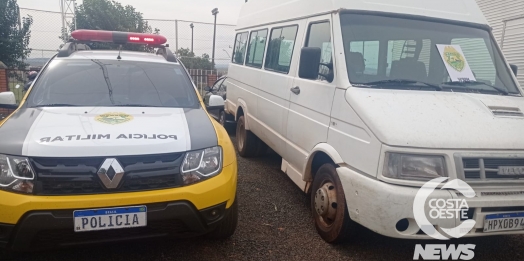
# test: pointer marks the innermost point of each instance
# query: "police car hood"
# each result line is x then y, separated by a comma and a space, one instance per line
105, 131
441, 120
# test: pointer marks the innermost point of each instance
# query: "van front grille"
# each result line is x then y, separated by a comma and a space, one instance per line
493, 168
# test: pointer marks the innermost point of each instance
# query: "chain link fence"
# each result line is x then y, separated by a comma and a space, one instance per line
47, 28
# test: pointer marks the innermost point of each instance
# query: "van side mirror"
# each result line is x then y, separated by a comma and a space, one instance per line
309, 63
8, 100
514, 68
207, 89
216, 102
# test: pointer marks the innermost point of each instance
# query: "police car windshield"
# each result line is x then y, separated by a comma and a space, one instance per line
110, 83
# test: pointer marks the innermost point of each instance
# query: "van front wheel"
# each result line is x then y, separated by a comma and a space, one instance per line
328, 205
247, 142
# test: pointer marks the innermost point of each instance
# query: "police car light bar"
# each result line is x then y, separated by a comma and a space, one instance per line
118, 37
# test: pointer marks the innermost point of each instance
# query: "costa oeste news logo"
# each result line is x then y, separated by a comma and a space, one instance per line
442, 209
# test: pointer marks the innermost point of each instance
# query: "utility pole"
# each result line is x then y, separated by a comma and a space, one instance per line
68, 11
192, 36
215, 13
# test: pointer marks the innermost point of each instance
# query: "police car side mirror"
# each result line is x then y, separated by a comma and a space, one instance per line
207, 89
216, 102
8, 100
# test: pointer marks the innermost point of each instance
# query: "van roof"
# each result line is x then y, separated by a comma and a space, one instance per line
260, 12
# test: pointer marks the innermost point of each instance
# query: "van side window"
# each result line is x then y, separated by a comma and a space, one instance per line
240, 48
280, 49
257, 46
319, 35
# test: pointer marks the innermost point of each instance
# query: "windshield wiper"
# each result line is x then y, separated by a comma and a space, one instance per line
56, 105
399, 84
468, 83
106, 78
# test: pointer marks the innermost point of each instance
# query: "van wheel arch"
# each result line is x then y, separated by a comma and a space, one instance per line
323, 154
240, 112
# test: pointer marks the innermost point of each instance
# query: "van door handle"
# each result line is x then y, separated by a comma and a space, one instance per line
296, 90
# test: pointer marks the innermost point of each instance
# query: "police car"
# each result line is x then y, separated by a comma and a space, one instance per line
113, 145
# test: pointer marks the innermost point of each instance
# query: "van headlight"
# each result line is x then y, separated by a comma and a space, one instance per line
201, 165
414, 167
16, 174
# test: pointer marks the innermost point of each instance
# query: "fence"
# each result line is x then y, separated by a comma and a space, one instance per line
16, 80
11, 80
203, 78
47, 28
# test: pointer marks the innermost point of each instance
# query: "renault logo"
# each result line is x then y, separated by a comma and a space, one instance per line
111, 179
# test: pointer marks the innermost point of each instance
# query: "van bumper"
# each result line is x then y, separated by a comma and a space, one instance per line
379, 206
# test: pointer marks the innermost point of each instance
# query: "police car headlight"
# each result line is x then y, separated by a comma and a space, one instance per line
201, 165
414, 167
16, 174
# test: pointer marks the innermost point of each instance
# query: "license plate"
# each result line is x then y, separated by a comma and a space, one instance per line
110, 218
504, 222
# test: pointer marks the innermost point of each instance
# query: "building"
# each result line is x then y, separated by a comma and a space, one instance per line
507, 19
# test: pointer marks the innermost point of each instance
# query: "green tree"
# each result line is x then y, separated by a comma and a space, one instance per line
14, 35
111, 16
191, 61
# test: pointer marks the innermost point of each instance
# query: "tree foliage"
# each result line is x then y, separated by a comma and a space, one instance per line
14, 35
111, 16
191, 61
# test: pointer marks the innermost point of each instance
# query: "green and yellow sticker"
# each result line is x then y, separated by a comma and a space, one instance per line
454, 58
114, 118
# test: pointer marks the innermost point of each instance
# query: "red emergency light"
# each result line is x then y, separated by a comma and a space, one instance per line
118, 37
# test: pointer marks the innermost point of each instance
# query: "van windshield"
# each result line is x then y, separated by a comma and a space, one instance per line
112, 83
395, 52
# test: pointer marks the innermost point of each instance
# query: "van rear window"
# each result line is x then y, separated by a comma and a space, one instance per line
240, 48
257, 46
280, 49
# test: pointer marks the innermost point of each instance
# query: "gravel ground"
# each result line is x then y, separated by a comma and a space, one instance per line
275, 224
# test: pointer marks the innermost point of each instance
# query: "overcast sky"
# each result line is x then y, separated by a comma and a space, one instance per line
195, 10
47, 26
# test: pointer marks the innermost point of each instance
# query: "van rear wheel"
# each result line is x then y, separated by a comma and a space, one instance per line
247, 142
328, 204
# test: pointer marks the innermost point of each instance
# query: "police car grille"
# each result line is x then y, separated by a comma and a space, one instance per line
78, 176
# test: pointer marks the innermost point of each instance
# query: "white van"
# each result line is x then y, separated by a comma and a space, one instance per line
367, 100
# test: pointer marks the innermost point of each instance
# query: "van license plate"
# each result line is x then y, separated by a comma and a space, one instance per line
110, 218
504, 222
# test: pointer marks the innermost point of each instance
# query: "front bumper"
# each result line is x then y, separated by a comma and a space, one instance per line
54, 229
27, 219
379, 206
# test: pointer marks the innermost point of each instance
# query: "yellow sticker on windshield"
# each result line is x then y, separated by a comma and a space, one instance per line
114, 118
456, 63
454, 58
